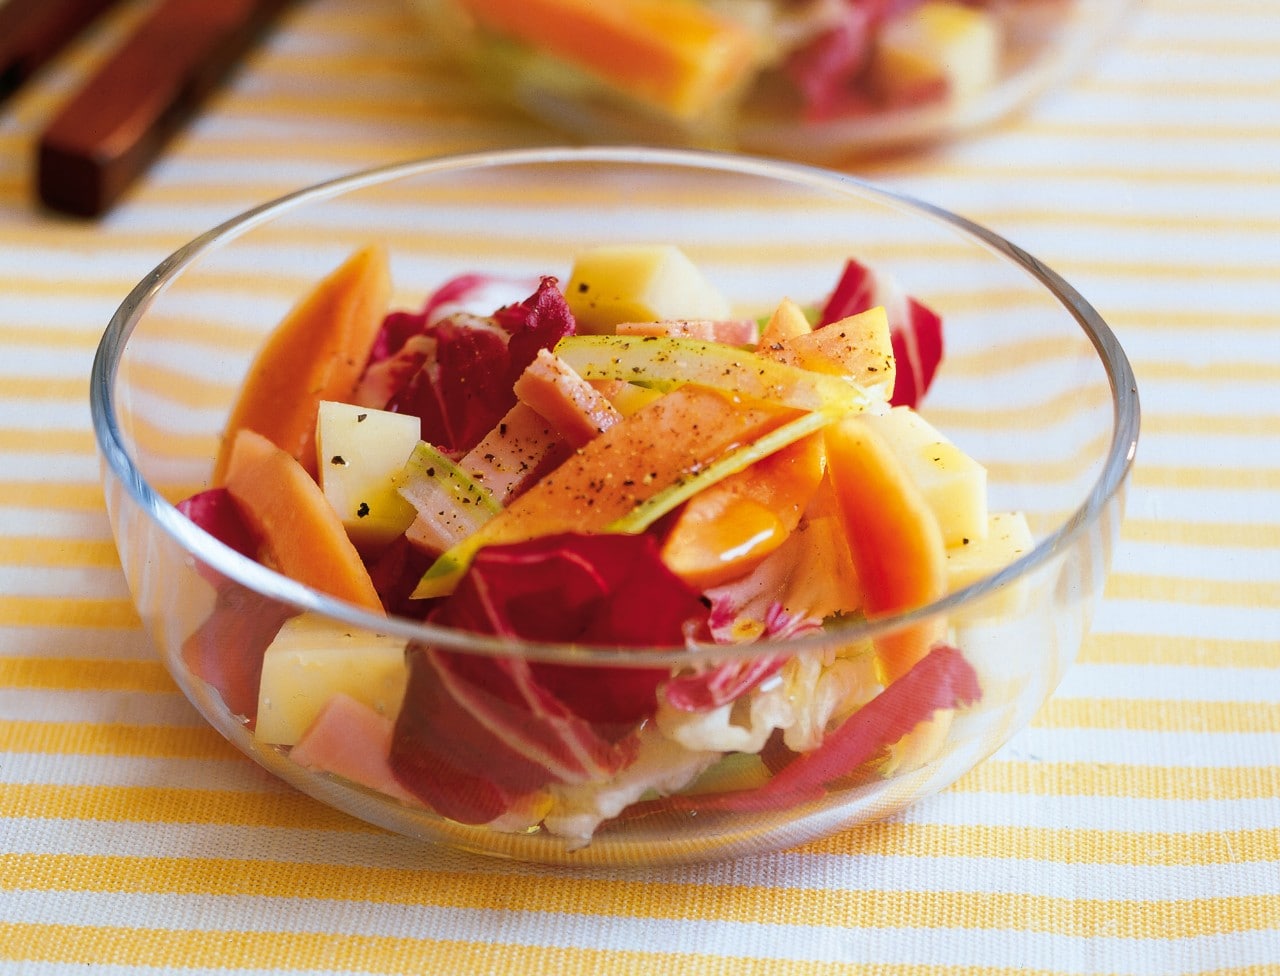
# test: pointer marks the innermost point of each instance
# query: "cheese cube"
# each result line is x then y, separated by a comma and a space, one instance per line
311, 660
953, 484
1008, 537
639, 283
939, 44
360, 452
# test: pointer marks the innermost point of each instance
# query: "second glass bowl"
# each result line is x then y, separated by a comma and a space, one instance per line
807, 81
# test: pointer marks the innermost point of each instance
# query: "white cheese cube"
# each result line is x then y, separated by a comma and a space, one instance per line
639, 283
941, 43
360, 452
1008, 537
953, 484
311, 660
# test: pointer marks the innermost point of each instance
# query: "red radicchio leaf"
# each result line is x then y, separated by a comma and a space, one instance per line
705, 690
216, 512
539, 322
466, 750
715, 686
459, 383
475, 731
942, 679
395, 572
397, 329
457, 294
461, 394
584, 589
916, 331
453, 292
824, 71
226, 650
830, 71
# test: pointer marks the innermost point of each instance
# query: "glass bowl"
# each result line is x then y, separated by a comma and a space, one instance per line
885, 88
1033, 385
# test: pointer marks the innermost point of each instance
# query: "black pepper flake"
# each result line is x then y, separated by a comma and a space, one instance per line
583, 288
339, 460
502, 430
361, 417
431, 472
363, 510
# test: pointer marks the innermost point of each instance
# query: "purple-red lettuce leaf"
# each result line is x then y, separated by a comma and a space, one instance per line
466, 293
226, 650
826, 70
215, 511
716, 685
830, 72
461, 393
539, 322
701, 691
454, 370
476, 731
395, 572
471, 739
916, 330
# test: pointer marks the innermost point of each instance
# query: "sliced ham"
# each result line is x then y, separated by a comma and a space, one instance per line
351, 740
513, 455
575, 408
732, 332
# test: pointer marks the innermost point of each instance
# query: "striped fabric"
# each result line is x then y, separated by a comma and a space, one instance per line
1133, 828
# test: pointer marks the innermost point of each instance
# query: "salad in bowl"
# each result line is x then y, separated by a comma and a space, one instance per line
583, 559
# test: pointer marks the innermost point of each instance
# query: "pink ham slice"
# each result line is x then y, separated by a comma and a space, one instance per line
349, 739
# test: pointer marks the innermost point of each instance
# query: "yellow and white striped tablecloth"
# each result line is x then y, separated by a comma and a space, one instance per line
1134, 828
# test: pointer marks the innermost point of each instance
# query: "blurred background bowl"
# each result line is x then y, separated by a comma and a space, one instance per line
813, 81
1034, 385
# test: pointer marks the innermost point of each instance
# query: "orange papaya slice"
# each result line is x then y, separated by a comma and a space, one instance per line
302, 536
679, 57
316, 353
725, 530
894, 539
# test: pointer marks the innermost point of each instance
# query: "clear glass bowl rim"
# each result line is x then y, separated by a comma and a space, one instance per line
201, 546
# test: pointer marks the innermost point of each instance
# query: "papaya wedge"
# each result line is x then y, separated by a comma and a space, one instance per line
316, 353
301, 535
894, 539
678, 57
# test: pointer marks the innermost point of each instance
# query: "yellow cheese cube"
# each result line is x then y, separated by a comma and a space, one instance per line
1008, 537
311, 660
941, 42
360, 453
639, 283
953, 484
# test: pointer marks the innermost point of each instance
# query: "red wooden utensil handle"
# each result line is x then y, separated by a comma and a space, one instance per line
114, 128
33, 31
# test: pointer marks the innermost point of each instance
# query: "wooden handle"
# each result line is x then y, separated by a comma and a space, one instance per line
116, 126
33, 31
